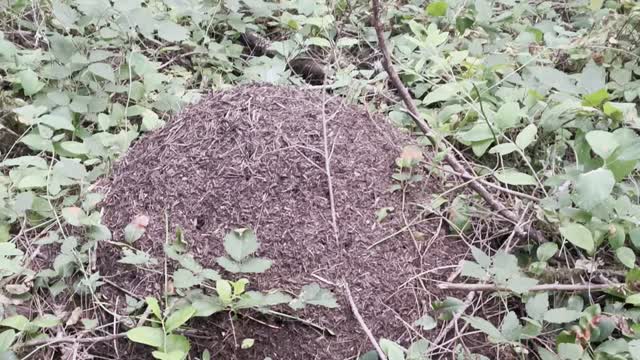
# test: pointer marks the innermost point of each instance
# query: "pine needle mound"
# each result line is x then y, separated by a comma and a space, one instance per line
254, 156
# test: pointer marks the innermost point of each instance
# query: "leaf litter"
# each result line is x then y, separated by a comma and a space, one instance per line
251, 157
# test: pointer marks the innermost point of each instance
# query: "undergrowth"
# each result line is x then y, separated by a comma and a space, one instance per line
540, 98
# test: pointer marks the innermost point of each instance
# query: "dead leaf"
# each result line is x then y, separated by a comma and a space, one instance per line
141, 221
75, 316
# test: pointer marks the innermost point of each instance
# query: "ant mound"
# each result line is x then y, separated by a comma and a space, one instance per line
308, 174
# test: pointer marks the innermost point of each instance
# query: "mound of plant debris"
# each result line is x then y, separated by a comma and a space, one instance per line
256, 157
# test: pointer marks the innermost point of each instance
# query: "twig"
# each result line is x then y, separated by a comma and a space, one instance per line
417, 118
327, 169
70, 339
306, 322
363, 325
542, 287
490, 184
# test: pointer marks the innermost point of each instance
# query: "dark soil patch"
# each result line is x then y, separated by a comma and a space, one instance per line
253, 157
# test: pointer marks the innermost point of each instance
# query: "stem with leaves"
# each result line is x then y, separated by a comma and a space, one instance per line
417, 118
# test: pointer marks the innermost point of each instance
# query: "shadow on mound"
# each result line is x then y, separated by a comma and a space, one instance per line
254, 157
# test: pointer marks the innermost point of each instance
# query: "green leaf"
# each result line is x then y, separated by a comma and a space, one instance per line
172, 32
175, 342
526, 136
224, 290
318, 41
474, 270
634, 235
579, 236
136, 228
251, 265
441, 93
479, 132
602, 143
153, 305
626, 256
240, 243
258, 300
313, 294
30, 82
73, 215
568, 351
247, 344
419, 350
561, 316
57, 122
426, 322
74, 147
179, 318
138, 257
554, 78
4, 233
207, 305
514, 177
18, 322
147, 335
537, 306
521, 284
484, 326
46, 321
64, 14
184, 279
596, 4
32, 181
347, 42
503, 149
239, 286
511, 329
481, 257
612, 111
6, 339
593, 188
102, 70
633, 299
546, 251
596, 99
170, 355
392, 350
437, 8
634, 349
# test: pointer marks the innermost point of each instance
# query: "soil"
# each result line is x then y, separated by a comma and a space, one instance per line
253, 156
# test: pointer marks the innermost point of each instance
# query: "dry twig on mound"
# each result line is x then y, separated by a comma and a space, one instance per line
449, 157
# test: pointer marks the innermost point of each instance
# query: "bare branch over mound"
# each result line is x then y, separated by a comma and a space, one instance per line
417, 118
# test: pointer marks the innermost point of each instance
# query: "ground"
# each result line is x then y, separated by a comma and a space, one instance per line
254, 157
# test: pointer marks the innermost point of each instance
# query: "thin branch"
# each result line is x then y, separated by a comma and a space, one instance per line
417, 118
327, 168
363, 325
70, 339
542, 287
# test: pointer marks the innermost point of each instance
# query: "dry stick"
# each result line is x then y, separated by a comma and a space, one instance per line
417, 118
71, 339
327, 169
363, 325
543, 287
